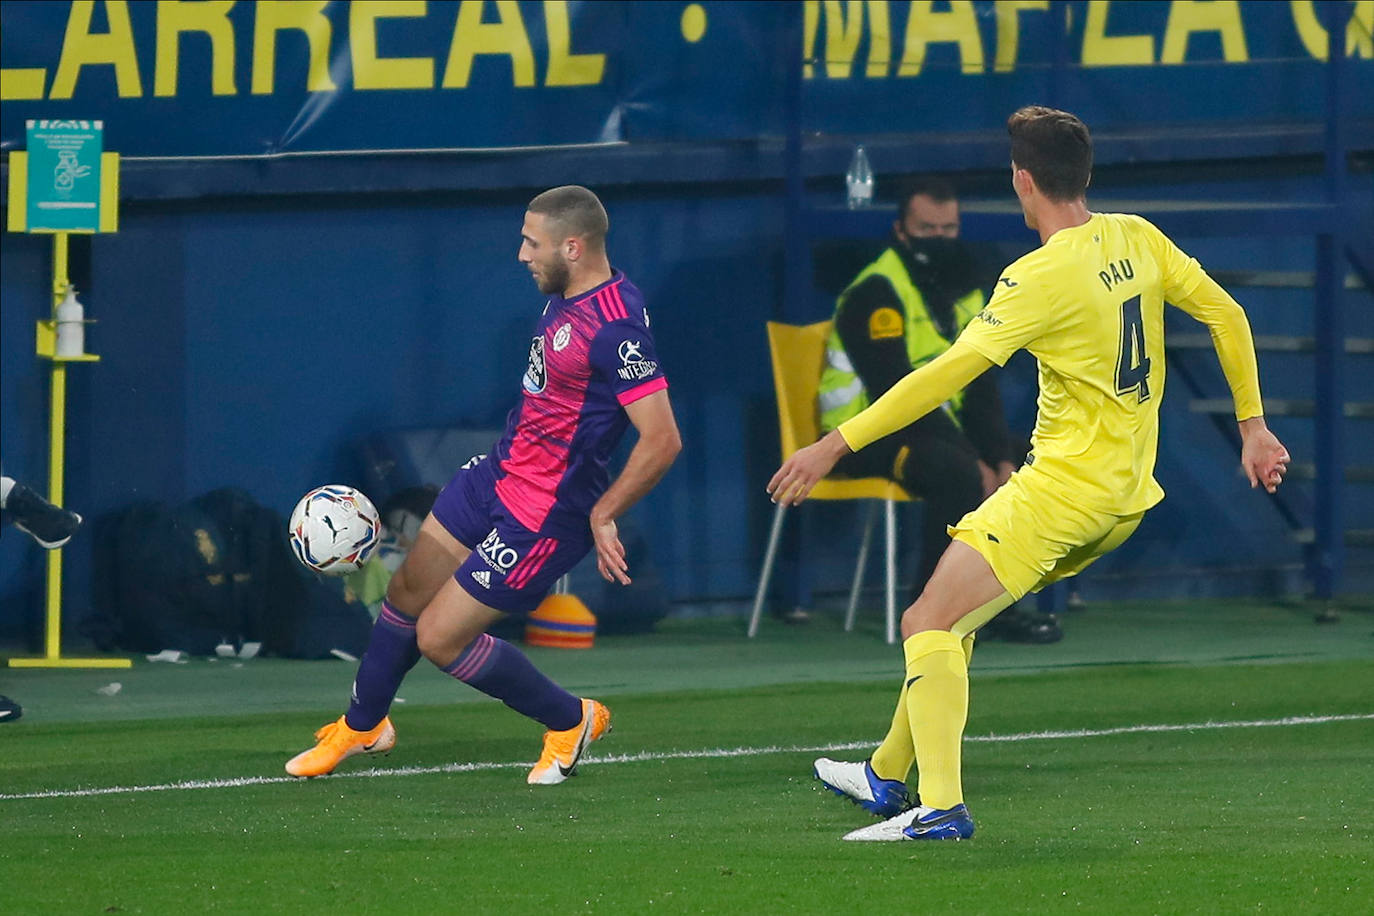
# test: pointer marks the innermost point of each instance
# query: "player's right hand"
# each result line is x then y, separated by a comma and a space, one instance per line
798, 474
1262, 455
610, 553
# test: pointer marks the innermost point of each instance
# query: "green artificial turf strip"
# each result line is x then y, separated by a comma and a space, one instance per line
1183, 821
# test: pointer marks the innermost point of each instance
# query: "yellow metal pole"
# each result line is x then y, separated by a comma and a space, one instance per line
57, 439
57, 426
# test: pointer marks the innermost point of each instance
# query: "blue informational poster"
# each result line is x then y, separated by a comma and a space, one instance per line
64, 175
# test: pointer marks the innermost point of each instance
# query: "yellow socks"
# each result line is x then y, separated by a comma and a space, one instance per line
936, 697
894, 757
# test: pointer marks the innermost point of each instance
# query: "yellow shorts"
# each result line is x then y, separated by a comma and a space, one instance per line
1032, 533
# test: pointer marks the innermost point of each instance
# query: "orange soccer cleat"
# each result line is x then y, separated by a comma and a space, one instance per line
337, 742
563, 749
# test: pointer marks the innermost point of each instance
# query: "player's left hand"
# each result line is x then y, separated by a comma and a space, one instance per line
610, 553
798, 474
1262, 455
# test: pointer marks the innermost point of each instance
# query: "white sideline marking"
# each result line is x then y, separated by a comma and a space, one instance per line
709, 753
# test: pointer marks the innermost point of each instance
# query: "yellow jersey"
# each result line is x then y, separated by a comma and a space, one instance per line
1089, 305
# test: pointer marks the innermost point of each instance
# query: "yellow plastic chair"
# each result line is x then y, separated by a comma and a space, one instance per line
798, 352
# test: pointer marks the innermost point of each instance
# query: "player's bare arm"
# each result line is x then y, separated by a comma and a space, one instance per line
659, 443
916, 395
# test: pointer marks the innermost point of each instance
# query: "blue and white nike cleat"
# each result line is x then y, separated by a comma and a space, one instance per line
858, 783
920, 823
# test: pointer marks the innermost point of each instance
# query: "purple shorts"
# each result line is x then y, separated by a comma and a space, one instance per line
511, 568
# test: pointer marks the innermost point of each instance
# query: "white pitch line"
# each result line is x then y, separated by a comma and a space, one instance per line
708, 753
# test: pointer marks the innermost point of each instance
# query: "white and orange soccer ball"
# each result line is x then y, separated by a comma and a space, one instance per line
334, 529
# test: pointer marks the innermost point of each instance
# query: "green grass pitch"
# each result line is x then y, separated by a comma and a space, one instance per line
1247, 814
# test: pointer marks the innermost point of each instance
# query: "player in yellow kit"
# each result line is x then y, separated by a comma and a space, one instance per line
1089, 305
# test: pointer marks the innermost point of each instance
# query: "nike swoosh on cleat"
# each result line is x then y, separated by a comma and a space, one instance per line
914, 679
566, 771
367, 748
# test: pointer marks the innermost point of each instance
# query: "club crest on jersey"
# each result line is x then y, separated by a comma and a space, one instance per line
495, 552
561, 338
537, 375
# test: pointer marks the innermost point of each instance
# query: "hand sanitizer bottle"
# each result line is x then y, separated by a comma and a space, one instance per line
71, 327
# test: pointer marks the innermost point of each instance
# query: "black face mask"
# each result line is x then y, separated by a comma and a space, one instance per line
942, 268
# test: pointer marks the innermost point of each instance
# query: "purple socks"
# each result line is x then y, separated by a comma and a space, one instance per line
500, 670
391, 652
492, 665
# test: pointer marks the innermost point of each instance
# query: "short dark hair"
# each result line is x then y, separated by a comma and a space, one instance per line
575, 211
939, 189
1055, 147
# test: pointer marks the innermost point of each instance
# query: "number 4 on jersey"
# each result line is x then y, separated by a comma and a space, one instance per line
1133, 366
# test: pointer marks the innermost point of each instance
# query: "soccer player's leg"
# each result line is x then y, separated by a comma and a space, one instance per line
930, 458
511, 571
936, 680
50, 526
459, 516
894, 757
974, 580
391, 652
1020, 538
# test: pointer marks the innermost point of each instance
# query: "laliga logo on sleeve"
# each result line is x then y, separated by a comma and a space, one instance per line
635, 365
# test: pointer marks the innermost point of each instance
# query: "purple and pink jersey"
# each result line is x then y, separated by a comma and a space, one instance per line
523, 509
590, 357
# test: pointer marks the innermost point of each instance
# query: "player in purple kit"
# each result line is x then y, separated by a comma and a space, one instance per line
510, 524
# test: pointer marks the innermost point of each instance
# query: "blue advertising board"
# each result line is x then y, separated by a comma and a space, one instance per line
220, 78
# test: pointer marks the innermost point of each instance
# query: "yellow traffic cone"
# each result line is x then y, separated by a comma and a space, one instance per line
561, 621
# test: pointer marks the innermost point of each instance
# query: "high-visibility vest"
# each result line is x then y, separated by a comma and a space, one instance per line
841, 394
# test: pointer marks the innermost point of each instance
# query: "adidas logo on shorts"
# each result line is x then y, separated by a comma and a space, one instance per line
483, 578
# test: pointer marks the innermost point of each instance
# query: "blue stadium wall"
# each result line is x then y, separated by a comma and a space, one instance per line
258, 317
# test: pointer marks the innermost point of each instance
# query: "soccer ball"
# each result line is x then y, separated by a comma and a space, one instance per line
334, 529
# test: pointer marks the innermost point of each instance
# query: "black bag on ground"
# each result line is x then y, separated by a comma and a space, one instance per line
291, 611
163, 582
216, 570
